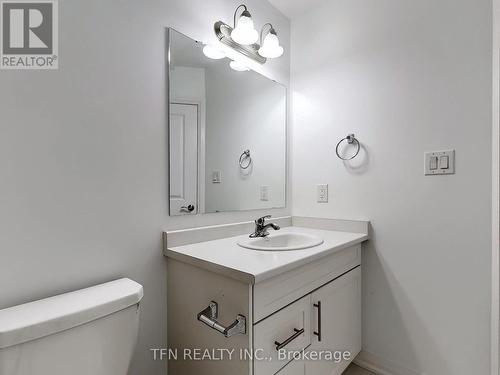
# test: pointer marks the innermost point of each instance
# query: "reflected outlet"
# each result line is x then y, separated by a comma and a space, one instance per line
264, 193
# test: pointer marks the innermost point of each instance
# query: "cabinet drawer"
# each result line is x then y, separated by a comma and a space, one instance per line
273, 294
290, 327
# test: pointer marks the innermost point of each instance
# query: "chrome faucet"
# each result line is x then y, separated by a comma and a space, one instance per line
261, 227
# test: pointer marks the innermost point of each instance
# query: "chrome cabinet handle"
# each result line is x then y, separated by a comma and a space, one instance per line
318, 333
281, 345
189, 208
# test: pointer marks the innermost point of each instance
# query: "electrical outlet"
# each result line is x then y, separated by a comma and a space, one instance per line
322, 193
264, 193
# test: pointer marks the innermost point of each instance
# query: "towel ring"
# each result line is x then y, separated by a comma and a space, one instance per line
351, 139
245, 156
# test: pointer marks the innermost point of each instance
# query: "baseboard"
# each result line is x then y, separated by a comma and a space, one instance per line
380, 366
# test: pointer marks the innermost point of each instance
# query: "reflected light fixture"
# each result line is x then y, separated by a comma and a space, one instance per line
213, 52
238, 66
270, 45
244, 31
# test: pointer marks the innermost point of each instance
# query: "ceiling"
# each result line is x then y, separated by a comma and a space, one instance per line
291, 8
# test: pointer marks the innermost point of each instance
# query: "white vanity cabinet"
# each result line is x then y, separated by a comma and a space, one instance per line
315, 307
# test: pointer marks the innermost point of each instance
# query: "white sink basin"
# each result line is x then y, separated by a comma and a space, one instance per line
282, 242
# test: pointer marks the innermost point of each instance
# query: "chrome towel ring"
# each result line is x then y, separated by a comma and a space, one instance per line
245, 159
351, 139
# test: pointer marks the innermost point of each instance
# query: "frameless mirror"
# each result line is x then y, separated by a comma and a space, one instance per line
227, 134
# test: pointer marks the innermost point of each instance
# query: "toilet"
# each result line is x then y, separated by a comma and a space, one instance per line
88, 331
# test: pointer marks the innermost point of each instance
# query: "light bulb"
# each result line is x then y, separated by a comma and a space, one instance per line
244, 32
236, 65
271, 46
213, 52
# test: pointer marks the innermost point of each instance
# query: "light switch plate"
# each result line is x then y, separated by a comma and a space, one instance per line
437, 164
216, 177
322, 193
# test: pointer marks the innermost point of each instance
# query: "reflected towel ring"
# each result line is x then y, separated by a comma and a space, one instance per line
245, 156
351, 139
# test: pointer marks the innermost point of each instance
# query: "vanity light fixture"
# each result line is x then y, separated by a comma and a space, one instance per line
213, 52
270, 45
243, 37
238, 66
244, 31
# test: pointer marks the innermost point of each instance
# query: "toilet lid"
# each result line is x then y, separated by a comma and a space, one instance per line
41, 318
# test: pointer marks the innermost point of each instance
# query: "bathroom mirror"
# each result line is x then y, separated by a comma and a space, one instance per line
227, 134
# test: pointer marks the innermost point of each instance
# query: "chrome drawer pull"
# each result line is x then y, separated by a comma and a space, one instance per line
297, 333
210, 314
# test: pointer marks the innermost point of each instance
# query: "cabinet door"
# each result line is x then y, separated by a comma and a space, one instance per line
293, 368
336, 323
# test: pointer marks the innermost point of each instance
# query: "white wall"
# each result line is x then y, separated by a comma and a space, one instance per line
187, 83
83, 156
406, 77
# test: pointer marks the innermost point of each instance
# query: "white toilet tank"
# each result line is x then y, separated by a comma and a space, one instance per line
91, 331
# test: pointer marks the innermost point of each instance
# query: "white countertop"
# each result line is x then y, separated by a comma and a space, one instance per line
226, 257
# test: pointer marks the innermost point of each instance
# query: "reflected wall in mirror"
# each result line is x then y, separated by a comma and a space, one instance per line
227, 134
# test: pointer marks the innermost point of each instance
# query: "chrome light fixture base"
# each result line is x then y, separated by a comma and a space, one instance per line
223, 33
